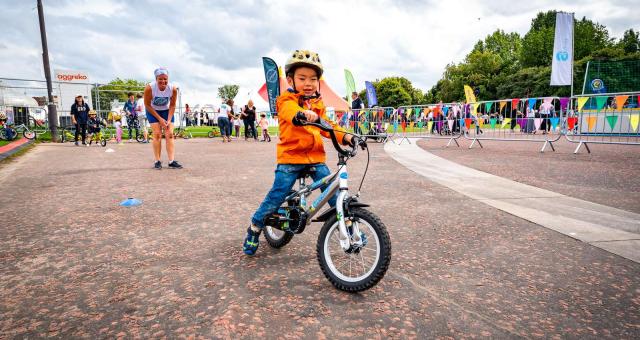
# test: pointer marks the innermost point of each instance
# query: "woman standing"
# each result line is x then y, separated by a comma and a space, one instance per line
160, 102
80, 117
249, 120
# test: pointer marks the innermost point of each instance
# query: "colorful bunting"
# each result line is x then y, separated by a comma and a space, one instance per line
563, 103
450, 122
521, 122
591, 122
480, 122
446, 110
514, 103
571, 121
634, 119
532, 103
537, 123
620, 100
395, 125
554, 122
420, 124
487, 107
440, 123
408, 112
581, 102
547, 100
411, 125
404, 126
429, 126
600, 102
493, 121
502, 105
505, 122
467, 123
612, 120
462, 122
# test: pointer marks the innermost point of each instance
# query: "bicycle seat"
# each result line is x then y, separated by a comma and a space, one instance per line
307, 172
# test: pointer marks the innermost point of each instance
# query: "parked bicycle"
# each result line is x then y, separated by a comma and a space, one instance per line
353, 247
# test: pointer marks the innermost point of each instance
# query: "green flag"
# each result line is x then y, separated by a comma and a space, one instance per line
612, 120
487, 107
493, 122
350, 84
600, 101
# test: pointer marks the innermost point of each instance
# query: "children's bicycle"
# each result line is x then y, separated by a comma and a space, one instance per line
353, 247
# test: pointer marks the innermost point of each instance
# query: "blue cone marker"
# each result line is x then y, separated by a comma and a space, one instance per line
131, 202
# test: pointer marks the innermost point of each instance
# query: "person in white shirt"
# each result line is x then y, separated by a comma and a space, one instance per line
223, 122
160, 103
142, 118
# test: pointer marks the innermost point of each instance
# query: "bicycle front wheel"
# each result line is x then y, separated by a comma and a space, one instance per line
29, 134
365, 263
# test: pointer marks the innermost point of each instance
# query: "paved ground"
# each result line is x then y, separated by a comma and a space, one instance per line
608, 175
75, 264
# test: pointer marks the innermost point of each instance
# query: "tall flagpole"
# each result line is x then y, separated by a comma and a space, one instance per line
53, 115
573, 44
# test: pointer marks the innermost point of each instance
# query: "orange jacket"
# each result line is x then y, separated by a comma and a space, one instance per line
301, 144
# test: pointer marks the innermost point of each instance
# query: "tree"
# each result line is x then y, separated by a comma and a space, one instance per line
228, 92
630, 41
115, 90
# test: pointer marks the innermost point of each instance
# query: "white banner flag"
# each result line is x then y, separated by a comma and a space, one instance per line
562, 64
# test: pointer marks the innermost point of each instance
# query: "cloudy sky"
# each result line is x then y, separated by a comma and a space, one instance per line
206, 44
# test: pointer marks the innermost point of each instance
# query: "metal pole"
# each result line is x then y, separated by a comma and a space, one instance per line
53, 114
586, 73
573, 44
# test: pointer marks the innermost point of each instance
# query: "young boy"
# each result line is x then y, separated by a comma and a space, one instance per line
300, 147
264, 125
93, 125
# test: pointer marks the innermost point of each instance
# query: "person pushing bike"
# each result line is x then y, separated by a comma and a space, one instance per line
300, 148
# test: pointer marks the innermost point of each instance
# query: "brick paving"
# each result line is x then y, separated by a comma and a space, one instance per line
75, 264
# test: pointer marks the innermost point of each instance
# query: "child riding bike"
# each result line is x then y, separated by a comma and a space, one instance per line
93, 124
300, 148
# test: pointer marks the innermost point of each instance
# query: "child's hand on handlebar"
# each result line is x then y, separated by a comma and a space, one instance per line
310, 116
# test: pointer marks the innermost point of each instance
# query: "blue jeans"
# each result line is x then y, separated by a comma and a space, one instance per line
225, 126
286, 176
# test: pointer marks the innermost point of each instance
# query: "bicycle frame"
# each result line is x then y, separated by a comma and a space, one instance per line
337, 182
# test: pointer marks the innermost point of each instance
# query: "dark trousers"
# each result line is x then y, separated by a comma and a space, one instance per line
250, 129
81, 127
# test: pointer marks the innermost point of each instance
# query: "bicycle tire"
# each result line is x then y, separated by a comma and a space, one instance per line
29, 134
383, 260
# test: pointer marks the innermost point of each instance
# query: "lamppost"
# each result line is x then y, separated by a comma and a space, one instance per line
53, 114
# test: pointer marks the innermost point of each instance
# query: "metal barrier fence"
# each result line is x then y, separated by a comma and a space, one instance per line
374, 123
604, 119
433, 121
525, 120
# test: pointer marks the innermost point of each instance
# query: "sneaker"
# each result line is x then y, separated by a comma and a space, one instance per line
157, 165
251, 242
77, 144
175, 165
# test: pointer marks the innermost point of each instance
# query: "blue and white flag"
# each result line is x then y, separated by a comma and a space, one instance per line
562, 64
372, 99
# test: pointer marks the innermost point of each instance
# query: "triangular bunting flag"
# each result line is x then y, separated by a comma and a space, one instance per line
395, 126
502, 105
467, 123
462, 122
420, 124
487, 107
371, 125
581, 102
493, 121
505, 122
445, 110
554, 122
411, 125
563, 103
612, 120
591, 122
450, 122
408, 112
480, 122
620, 100
571, 122
514, 103
475, 108
429, 126
532, 103
537, 122
404, 126
634, 119
600, 102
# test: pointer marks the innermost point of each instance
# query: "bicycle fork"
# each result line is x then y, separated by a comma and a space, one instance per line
345, 225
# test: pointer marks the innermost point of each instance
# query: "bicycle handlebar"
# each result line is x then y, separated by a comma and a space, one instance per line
301, 120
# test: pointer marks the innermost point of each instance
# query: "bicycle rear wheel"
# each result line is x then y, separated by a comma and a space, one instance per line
365, 263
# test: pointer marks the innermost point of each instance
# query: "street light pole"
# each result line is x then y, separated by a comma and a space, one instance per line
53, 115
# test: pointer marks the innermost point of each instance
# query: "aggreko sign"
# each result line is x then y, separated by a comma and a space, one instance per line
71, 76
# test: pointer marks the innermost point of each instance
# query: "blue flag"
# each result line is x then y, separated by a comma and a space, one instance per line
372, 99
273, 81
